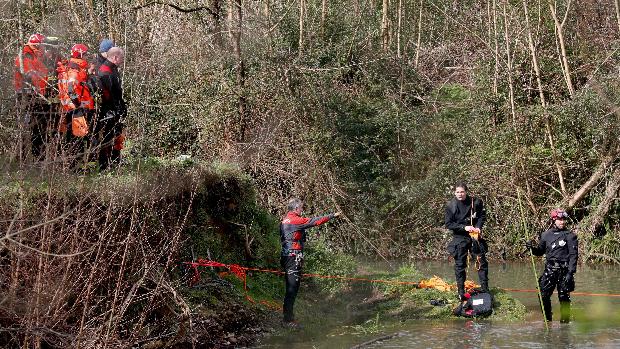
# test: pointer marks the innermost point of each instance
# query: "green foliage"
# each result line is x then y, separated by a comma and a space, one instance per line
407, 302
506, 307
228, 223
323, 260
415, 304
382, 131
406, 273
370, 326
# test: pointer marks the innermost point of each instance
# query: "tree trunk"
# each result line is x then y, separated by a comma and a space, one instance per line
597, 216
76, 16
509, 66
93, 20
419, 39
559, 28
302, 15
591, 182
110, 13
216, 7
241, 104
399, 29
323, 17
617, 5
543, 100
513, 108
496, 70
385, 34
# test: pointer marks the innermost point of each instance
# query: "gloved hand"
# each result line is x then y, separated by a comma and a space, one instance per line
530, 244
569, 281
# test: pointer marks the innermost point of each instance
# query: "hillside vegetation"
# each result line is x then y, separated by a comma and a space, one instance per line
371, 107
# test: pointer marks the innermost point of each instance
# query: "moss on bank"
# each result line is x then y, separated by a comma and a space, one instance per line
402, 302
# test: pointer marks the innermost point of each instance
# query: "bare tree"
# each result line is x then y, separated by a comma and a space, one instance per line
559, 30
543, 100
511, 97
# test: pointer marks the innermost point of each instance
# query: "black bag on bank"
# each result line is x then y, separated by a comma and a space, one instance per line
479, 304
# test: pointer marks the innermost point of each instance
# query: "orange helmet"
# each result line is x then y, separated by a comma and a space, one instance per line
558, 213
78, 50
36, 39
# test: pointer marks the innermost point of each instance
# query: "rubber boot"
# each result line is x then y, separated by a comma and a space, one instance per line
484, 286
565, 312
547, 306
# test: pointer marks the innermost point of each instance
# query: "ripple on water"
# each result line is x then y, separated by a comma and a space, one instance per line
480, 334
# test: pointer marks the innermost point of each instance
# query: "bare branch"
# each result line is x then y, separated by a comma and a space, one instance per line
178, 8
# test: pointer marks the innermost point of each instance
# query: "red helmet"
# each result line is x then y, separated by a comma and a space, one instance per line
78, 50
36, 39
558, 213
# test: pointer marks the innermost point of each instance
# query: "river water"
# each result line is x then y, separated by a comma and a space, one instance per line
595, 325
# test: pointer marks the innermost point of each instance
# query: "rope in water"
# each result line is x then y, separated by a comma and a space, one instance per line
613, 295
241, 272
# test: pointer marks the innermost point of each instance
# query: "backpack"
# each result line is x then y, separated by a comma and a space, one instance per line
480, 304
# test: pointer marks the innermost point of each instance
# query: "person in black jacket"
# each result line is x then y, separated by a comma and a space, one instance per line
560, 246
112, 110
465, 216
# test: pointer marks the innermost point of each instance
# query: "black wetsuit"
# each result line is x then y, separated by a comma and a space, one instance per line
561, 250
458, 216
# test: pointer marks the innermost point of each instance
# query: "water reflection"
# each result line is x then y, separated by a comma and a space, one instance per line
472, 334
596, 319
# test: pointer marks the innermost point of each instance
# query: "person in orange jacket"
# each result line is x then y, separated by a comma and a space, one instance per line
30, 84
75, 91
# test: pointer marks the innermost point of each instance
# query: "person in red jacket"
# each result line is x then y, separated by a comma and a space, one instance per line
30, 84
293, 237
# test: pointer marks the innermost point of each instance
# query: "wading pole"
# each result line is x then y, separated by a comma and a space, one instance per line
538, 288
523, 222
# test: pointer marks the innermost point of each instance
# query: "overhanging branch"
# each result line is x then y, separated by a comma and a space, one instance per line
179, 8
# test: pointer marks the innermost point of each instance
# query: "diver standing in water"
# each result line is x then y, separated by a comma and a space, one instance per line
560, 247
293, 237
465, 216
